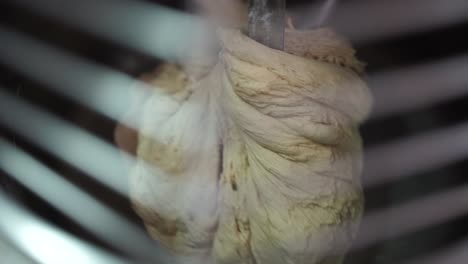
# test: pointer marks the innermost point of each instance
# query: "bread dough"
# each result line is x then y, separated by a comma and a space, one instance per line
258, 160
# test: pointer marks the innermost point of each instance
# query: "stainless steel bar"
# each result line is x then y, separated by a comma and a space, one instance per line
266, 22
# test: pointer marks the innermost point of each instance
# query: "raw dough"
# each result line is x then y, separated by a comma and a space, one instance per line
258, 160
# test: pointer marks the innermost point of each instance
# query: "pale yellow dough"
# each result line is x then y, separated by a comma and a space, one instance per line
286, 186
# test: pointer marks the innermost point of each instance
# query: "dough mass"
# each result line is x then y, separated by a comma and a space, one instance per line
258, 158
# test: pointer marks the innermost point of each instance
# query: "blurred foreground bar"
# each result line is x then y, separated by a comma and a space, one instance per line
45, 243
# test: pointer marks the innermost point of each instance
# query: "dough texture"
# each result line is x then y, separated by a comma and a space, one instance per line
258, 159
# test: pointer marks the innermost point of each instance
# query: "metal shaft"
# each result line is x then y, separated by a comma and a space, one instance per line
266, 22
